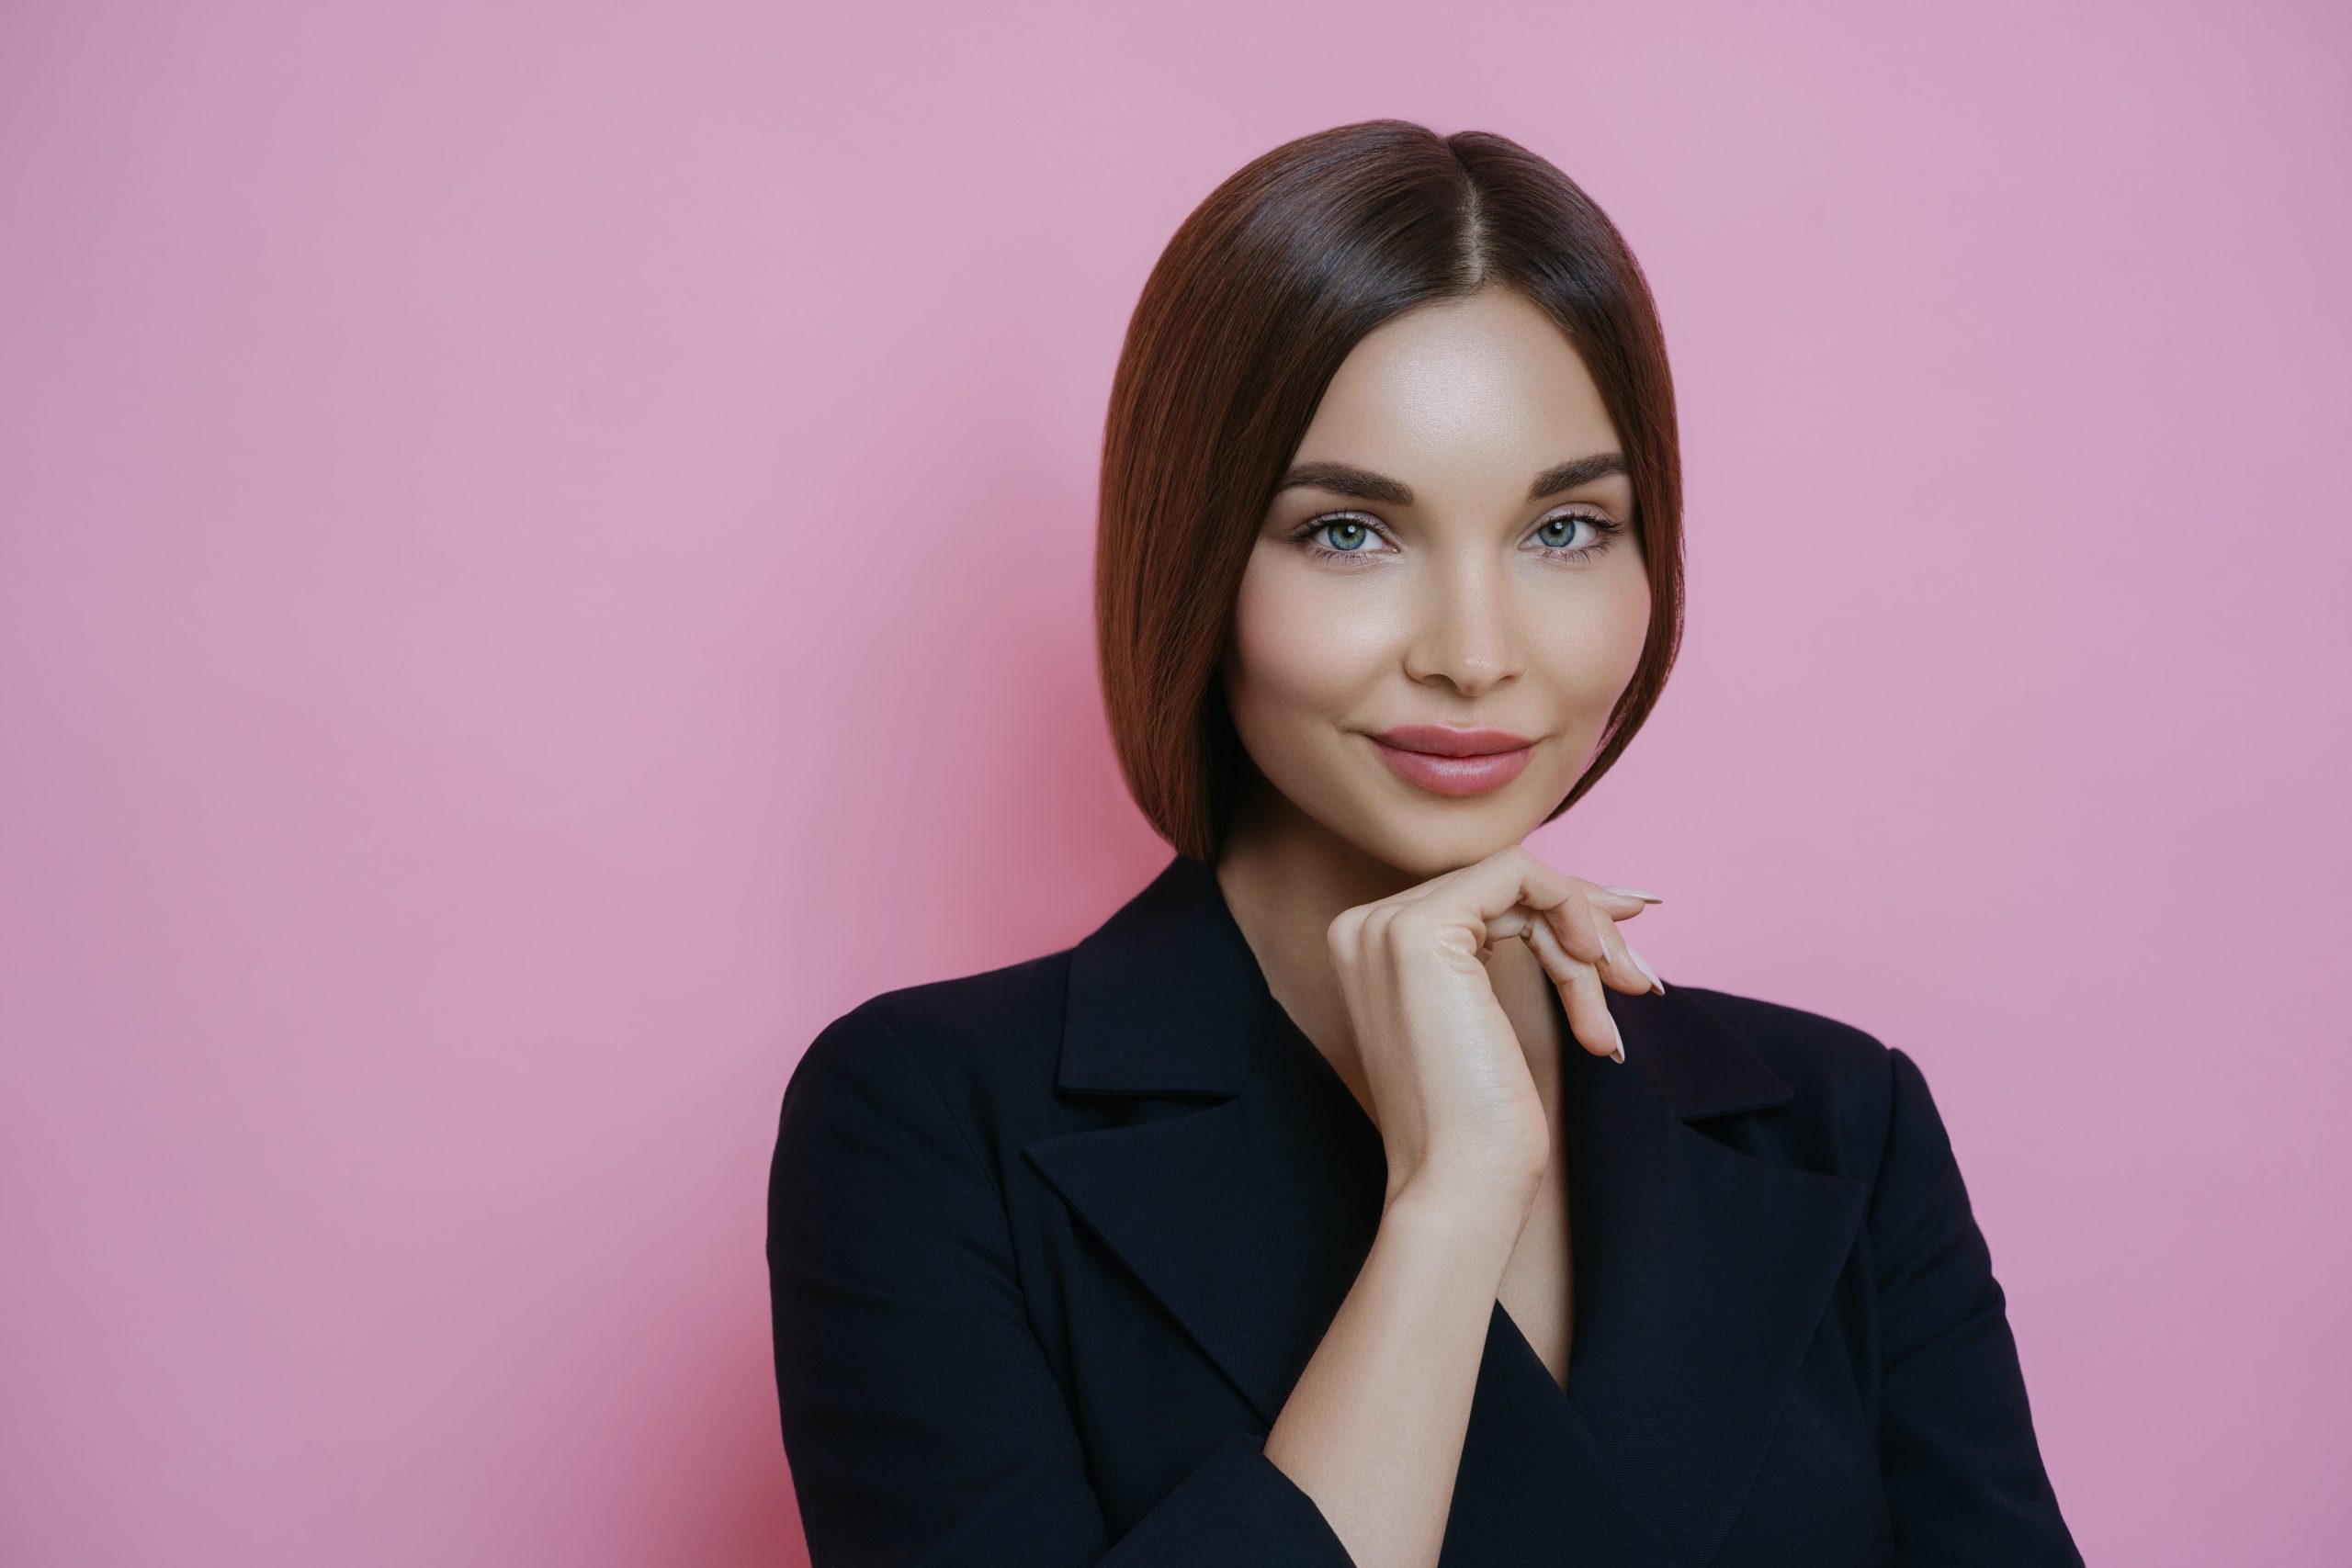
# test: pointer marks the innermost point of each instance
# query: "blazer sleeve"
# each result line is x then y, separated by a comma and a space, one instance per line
922, 1423
1962, 1468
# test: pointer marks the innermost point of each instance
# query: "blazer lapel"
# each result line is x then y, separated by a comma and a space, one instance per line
1248, 1218
1701, 1273
1244, 1187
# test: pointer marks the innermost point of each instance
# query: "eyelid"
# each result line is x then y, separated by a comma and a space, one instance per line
1350, 515
1325, 519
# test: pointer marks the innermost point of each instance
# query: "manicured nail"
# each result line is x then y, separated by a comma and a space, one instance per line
1618, 1055
1632, 893
1642, 964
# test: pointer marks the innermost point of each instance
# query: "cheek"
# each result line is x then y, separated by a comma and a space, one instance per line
1594, 650
1294, 649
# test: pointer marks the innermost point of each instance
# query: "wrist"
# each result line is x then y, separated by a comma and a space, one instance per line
1468, 1205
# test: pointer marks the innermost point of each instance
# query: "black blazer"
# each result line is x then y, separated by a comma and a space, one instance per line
1049, 1246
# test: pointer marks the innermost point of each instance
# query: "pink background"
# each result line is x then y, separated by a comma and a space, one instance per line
543, 554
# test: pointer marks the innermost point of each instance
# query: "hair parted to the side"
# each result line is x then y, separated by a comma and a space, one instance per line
1247, 316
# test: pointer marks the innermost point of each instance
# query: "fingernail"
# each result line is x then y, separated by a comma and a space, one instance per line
1618, 1055
1632, 893
1642, 964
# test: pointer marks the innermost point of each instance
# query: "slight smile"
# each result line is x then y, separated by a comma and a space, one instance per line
1445, 761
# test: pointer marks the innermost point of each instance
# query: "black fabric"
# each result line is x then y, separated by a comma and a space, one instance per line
1049, 1246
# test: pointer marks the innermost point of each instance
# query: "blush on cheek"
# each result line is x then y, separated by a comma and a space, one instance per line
1594, 660
1622, 633
1293, 646
1299, 662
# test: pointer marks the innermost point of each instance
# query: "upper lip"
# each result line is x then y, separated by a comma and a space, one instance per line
1443, 741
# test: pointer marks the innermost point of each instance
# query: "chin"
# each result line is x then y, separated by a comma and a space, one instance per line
1423, 845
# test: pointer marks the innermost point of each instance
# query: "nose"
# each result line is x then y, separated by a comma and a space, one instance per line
1466, 630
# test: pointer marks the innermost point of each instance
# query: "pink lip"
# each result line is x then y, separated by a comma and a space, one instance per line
1445, 761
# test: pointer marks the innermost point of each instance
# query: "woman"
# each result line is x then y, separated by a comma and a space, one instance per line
1356, 1193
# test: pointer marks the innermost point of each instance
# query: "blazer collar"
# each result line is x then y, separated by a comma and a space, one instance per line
1700, 1272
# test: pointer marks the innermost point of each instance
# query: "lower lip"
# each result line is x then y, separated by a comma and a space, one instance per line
1456, 776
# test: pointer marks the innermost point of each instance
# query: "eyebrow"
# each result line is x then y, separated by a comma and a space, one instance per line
1346, 479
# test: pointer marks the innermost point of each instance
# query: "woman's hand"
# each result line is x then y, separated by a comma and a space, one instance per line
1456, 1102
1373, 1430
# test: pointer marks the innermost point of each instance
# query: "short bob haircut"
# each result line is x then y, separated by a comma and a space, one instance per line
1244, 320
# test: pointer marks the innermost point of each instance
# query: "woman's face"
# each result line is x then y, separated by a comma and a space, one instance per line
1405, 575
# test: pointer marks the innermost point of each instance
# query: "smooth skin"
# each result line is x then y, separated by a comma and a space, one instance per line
1410, 936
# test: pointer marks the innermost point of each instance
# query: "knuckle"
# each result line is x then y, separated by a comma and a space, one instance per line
1345, 933
1417, 930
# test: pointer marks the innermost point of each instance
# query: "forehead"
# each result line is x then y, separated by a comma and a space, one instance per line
1458, 388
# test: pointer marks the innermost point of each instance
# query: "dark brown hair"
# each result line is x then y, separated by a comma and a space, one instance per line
1258, 299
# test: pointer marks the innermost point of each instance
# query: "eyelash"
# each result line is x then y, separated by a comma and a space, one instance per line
1607, 527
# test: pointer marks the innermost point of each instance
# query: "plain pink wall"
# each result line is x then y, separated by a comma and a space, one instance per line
545, 550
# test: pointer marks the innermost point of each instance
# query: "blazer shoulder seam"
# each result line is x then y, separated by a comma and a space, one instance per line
1888, 1110
994, 1183
939, 1098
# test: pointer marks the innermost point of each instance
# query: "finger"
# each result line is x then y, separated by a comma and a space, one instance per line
1630, 967
1515, 875
1592, 937
1620, 906
1580, 994
1488, 895
1495, 894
